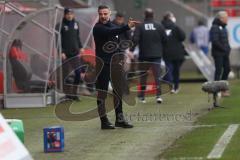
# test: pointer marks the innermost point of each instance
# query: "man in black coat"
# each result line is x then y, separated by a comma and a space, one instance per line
173, 50
220, 47
150, 36
120, 22
106, 32
71, 48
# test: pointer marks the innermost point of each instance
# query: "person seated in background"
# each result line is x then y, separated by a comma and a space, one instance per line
16, 51
21, 71
25, 76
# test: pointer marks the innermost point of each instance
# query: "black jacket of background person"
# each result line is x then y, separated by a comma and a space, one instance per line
150, 36
125, 35
173, 49
70, 37
104, 33
219, 39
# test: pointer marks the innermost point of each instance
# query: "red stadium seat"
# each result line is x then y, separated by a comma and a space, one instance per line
229, 3
238, 12
231, 12
216, 3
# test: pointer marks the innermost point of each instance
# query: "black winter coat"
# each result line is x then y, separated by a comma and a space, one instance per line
125, 35
104, 33
150, 36
173, 49
70, 37
219, 39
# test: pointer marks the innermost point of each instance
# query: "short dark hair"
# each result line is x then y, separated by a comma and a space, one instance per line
167, 15
120, 14
67, 10
201, 22
149, 13
17, 43
103, 7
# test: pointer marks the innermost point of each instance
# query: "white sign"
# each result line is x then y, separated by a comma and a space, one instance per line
150, 27
234, 32
10, 146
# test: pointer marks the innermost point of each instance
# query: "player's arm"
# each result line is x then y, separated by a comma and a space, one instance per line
109, 31
102, 30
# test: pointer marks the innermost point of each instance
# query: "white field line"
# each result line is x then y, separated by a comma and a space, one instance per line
222, 143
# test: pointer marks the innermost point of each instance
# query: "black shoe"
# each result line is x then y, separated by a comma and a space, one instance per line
107, 125
123, 124
74, 98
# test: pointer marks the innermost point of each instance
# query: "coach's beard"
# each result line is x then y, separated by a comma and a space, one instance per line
104, 21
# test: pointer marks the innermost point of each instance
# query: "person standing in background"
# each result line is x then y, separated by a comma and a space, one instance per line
150, 37
220, 47
71, 48
174, 50
200, 37
119, 21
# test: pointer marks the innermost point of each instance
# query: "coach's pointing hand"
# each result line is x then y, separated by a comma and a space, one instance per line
132, 23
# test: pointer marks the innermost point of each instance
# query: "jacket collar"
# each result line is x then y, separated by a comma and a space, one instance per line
148, 19
218, 22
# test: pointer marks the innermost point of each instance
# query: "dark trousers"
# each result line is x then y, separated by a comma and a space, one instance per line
69, 65
173, 72
156, 69
222, 65
102, 83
